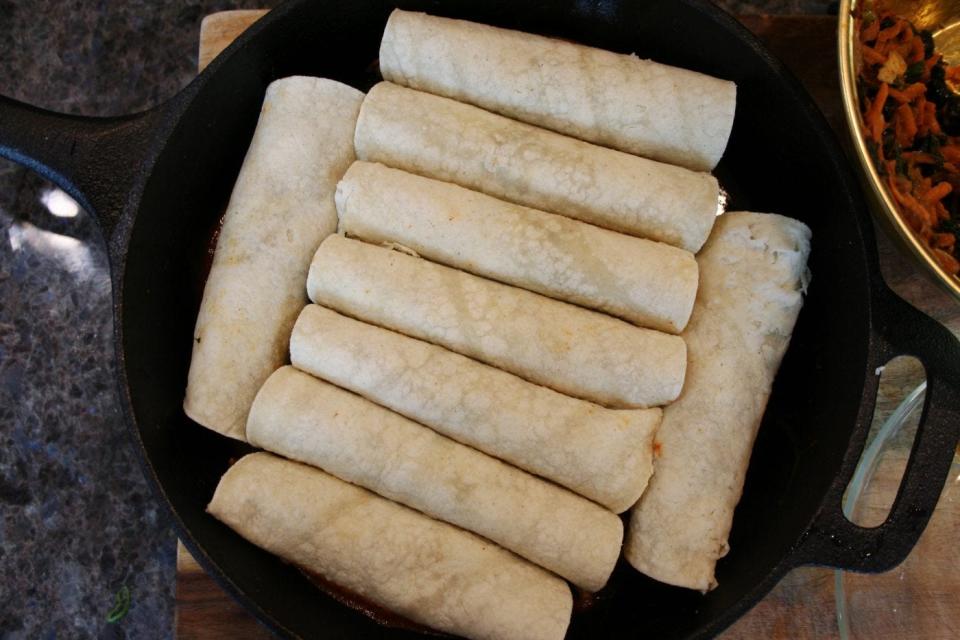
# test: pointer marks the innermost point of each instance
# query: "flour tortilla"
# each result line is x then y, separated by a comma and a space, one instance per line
620, 101
578, 352
281, 208
455, 142
425, 570
602, 454
648, 283
753, 271
306, 419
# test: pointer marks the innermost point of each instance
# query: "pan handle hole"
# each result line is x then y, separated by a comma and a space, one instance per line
900, 397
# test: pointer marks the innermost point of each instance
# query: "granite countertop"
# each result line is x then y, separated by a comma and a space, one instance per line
78, 523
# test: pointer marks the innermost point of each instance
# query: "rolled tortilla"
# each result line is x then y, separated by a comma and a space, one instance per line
447, 140
423, 569
648, 283
306, 419
281, 208
620, 101
572, 350
752, 276
602, 454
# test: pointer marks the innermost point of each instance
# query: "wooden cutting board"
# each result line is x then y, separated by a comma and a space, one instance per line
802, 606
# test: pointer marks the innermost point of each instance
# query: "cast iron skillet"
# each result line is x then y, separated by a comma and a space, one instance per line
158, 182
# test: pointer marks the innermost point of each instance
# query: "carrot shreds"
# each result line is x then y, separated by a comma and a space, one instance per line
911, 118
917, 216
940, 211
947, 261
945, 241
916, 49
950, 153
918, 157
937, 193
875, 114
869, 33
930, 117
890, 33
909, 94
907, 124
926, 113
872, 56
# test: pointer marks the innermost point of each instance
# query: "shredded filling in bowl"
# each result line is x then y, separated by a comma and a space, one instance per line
911, 124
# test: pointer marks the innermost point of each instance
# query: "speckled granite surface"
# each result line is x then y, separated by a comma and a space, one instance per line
77, 521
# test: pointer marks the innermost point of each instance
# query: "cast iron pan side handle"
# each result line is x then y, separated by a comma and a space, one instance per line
96, 160
899, 329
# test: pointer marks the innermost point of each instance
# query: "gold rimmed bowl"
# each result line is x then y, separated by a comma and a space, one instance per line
942, 18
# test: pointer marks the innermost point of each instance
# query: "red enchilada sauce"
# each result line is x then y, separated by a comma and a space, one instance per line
582, 602
374, 611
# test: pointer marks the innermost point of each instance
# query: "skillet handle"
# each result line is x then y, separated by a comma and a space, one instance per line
98, 161
899, 329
